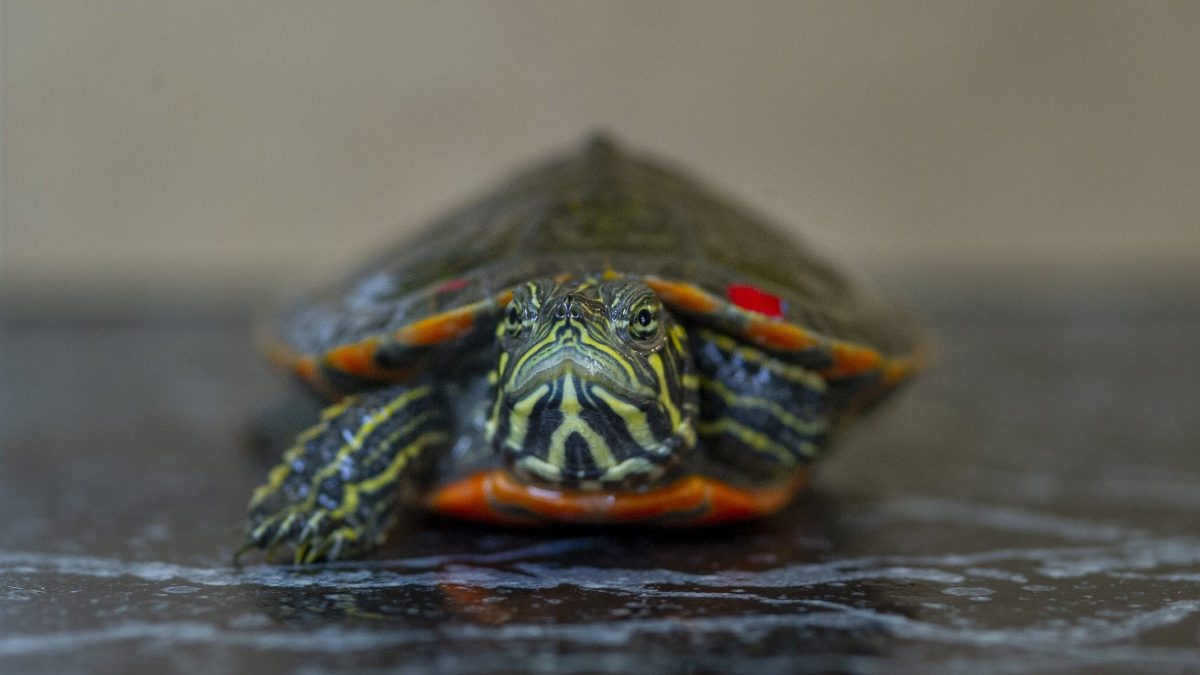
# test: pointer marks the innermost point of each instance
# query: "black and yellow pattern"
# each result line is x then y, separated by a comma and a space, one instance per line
593, 384
759, 414
335, 492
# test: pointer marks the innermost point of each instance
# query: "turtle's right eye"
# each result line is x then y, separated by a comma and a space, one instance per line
643, 325
512, 320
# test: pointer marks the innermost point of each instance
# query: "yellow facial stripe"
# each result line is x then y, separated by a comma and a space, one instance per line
601, 454
660, 374
540, 467
519, 417
493, 420
634, 465
494, 374
534, 353
581, 400
547, 347
635, 419
587, 340
677, 335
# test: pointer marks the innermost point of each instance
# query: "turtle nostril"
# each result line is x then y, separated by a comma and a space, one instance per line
569, 307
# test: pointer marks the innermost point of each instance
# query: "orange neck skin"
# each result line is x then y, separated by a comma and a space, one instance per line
493, 496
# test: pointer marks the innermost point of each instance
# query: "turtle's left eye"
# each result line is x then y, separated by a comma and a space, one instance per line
643, 325
512, 319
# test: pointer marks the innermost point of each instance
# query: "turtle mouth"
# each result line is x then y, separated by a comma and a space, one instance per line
648, 468
579, 365
568, 419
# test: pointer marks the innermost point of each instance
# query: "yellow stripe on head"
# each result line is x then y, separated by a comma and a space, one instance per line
593, 384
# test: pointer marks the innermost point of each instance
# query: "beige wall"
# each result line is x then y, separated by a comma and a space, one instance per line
211, 144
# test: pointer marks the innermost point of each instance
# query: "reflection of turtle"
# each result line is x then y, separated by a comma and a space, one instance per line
600, 340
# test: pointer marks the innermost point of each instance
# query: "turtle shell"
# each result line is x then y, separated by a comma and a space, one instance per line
596, 210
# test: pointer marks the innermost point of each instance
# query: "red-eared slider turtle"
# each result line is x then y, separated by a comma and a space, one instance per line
600, 340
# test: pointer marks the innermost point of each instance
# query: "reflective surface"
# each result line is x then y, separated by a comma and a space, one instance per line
1032, 503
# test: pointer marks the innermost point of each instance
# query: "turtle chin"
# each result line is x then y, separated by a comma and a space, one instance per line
583, 433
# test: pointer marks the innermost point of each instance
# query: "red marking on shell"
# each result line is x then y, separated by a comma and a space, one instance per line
755, 299
452, 285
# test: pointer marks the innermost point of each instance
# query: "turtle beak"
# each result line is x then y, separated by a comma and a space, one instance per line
569, 358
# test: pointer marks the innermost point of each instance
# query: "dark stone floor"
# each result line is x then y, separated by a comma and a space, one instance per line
1032, 504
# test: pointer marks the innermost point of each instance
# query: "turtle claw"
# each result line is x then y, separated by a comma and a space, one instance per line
313, 527
343, 541
323, 537
329, 547
323, 543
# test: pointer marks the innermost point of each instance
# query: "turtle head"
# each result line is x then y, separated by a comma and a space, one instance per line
593, 385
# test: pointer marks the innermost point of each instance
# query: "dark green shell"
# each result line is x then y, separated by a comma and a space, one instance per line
595, 209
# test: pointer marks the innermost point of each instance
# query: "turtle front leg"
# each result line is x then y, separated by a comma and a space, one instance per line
335, 493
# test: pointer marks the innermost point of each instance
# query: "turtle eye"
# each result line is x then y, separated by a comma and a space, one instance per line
512, 320
643, 325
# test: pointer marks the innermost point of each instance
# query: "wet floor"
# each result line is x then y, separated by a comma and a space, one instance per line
1033, 503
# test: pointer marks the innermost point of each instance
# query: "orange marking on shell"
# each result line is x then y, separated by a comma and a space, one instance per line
894, 372
311, 373
448, 325
357, 358
851, 360
303, 366
684, 296
440, 328
495, 496
780, 335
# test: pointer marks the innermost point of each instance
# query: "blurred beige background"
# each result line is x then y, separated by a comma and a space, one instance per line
215, 148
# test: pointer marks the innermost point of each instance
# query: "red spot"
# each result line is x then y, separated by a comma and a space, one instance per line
755, 299
452, 285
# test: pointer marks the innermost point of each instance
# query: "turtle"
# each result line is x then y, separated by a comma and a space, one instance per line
600, 340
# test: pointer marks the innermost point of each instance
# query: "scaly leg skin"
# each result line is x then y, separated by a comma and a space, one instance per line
335, 493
